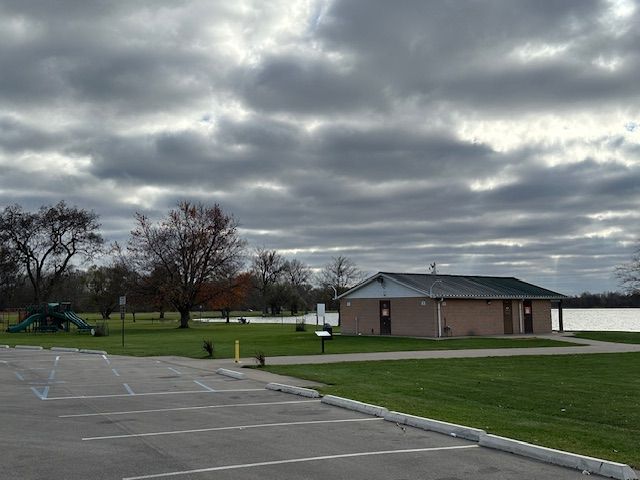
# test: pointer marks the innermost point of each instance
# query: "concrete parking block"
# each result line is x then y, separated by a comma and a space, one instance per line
355, 405
95, 352
231, 373
558, 457
303, 392
64, 349
447, 428
28, 347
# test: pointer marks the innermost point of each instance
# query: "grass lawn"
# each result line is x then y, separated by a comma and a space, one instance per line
617, 337
147, 337
588, 404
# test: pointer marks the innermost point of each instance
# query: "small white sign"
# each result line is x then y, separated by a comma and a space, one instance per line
320, 309
123, 300
323, 334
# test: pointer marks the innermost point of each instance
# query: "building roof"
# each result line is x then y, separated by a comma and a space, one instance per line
464, 286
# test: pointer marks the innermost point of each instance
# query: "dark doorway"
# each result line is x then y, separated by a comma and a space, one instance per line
507, 316
385, 317
528, 316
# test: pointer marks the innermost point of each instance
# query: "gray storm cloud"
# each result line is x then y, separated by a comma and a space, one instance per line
491, 137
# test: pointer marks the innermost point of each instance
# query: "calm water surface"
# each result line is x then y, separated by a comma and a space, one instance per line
612, 319
310, 319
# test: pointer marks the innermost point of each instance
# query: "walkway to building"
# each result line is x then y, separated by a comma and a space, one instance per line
586, 347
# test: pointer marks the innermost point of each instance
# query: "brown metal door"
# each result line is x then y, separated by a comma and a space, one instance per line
385, 317
528, 316
507, 316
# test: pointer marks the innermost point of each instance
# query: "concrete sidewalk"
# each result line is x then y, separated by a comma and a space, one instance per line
585, 347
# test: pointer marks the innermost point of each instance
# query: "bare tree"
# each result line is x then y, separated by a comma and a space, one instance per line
105, 284
340, 273
267, 267
9, 273
193, 246
629, 274
45, 242
297, 276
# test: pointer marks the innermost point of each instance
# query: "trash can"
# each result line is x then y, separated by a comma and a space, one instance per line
328, 328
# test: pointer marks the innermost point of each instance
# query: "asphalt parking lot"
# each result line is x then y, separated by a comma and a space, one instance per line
88, 416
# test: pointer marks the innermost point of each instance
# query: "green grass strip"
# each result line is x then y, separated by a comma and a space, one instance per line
144, 338
588, 404
616, 337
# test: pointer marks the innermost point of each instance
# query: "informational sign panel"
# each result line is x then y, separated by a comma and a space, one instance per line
320, 309
123, 300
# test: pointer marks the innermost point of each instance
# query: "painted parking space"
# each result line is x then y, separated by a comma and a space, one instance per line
121, 417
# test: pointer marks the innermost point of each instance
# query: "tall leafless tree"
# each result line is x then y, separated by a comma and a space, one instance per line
192, 247
45, 242
297, 276
267, 267
629, 274
9, 274
340, 273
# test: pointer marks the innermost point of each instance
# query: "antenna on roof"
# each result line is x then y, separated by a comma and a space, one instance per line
433, 269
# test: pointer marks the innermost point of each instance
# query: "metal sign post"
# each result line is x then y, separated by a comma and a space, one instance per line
323, 336
319, 312
123, 306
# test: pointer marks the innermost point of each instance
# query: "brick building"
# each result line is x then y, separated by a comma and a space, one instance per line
432, 305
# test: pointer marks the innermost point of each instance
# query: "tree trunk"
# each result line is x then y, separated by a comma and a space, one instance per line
184, 318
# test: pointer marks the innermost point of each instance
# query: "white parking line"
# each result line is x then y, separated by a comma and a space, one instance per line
20, 377
52, 374
115, 372
128, 389
55, 363
104, 357
43, 395
87, 397
204, 386
298, 460
174, 370
236, 427
176, 409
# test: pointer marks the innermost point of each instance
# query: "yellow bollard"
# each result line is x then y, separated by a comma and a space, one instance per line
237, 351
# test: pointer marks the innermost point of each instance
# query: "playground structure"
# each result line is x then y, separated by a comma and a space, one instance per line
50, 317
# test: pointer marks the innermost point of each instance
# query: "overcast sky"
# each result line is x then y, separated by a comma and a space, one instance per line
492, 137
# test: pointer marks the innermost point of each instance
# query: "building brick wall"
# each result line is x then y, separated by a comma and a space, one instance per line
473, 317
541, 316
408, 316
463, 317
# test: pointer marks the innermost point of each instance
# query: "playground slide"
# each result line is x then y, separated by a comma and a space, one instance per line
76, 320
24, 324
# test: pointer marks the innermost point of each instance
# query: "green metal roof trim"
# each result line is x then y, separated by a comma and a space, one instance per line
467, 286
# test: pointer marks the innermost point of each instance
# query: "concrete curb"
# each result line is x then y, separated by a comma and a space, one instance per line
303, 392
96, 352
28, 347
231, 373
4, 346
64, 349
451, 429
355, 405
558, 457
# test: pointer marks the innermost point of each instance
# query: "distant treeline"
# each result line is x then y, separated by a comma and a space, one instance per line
602, 300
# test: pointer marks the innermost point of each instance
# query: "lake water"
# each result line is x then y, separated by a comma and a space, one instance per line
612, 319
606, 319
310, 319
